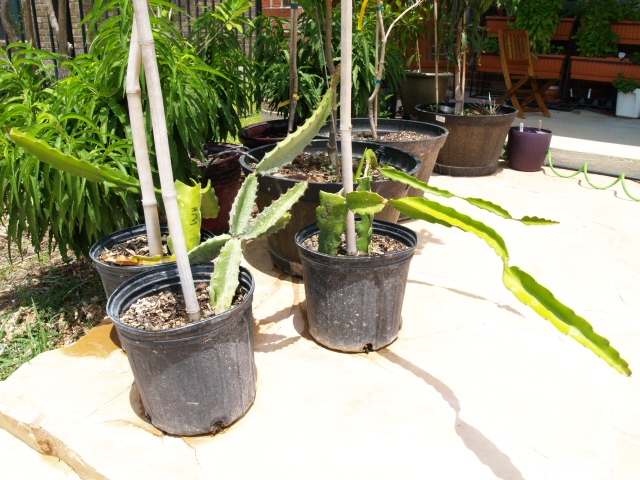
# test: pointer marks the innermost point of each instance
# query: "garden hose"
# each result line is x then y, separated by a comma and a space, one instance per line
620, 179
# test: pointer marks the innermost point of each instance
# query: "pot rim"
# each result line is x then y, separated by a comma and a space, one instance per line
443, 132
245, 165
171, 272
507, 110
93, 251
312, 227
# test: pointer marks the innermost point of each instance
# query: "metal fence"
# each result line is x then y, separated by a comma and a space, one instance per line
78, 9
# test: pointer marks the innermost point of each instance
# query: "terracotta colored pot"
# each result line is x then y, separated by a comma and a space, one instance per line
263, 133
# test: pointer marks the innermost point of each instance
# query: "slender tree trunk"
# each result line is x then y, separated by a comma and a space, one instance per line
459, 88
7, 24
346, 42
293, 66
28, 21
435, 22
63, 45
53, 21
332, 147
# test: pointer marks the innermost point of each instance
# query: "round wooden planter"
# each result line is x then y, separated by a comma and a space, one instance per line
475, 142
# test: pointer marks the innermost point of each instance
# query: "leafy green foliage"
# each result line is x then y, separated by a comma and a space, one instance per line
37, 199
272, 63
595, 37
625, 85
541, 18
208, 249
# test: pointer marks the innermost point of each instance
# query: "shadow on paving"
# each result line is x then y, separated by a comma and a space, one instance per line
483, 448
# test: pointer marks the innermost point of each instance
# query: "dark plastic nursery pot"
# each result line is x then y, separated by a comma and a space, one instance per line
354, 304
113, 275
282, 246
263, 133
194, 379
528, 149
223, 174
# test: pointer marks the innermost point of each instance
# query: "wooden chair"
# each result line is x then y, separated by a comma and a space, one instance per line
517, 68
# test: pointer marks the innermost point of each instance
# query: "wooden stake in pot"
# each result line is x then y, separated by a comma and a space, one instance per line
161, 141
134, 100
346, 41
293, 66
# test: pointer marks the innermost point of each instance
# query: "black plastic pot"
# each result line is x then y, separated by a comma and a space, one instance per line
426, 149
263, 133
223, 174
193, 379
282, 245
354, 304
528, 149
113, 275
475, 142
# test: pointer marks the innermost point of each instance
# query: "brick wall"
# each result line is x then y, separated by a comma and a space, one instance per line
277, 8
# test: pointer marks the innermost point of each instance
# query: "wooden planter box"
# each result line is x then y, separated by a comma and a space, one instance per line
602, 69
544, 65
500, 23
563, 33
628, 31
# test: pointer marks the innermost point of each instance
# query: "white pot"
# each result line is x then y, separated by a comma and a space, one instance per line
628, 104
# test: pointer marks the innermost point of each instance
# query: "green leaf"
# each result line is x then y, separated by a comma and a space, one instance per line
531, 293
402, 177
209, 207
398, 176
208, 250
80, 168
243, 206
537, 221
365, 203
189, 205
274, 212
434, 212
364, 230
295, 143
225, 278
332, 222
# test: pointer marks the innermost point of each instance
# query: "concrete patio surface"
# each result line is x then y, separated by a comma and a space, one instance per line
477, 386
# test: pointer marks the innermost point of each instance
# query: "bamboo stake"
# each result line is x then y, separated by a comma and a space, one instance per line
346, 42
161, 141
435, 22
134, 100
293, 66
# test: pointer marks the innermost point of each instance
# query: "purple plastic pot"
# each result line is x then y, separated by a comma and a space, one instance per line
528, 149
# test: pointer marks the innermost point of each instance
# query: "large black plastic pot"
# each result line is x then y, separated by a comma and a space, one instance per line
263, 133
282, 245
113, 275
426, 149
527, 150
193, 379
420, 87
354, 304
475, 142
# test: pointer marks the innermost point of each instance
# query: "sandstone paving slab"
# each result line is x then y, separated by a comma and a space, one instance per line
476, 386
